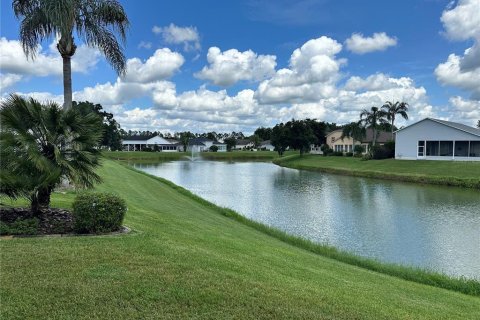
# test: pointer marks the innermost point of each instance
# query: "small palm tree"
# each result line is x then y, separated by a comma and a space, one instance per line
95, 21
394, 109
42, 144
372, 119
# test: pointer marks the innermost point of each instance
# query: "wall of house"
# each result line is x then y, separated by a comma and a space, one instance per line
346, 145
406, 145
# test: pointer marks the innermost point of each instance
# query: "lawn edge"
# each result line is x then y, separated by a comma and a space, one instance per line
414, 274
288, 162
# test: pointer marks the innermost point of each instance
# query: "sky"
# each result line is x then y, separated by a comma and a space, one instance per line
237, 65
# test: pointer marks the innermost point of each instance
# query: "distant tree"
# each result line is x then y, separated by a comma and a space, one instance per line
231, 142
112, 135
301, 135
255, 140
319, 129
372, 119
392, 109
93, 21
280, 138
185, 138
213, 148
358, 149
264, 133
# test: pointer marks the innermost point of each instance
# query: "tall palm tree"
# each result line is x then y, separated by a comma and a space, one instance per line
94, 21
394, 109
372, 119
42, 144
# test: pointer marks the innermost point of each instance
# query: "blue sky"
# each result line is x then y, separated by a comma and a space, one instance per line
237, 65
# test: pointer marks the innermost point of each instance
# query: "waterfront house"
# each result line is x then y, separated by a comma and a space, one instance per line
157, 143
435, 139
266, 145
347, 144
242, 144
204, 144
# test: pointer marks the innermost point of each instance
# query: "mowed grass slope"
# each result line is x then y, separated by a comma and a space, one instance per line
185, 260
456, 173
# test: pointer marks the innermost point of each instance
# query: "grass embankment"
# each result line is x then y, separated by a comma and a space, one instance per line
451, 173
170, 156
187, 259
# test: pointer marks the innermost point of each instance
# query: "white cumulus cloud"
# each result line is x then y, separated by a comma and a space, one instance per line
359, 44
172, 34
228, 67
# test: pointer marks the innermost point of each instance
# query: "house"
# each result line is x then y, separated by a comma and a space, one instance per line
242, 144
347, 144
139, 143
435, 139
204, 144
266, 145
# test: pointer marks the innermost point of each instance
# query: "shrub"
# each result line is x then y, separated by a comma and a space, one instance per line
326, 150
20, 227
213, 148
337, 153
358, 149
147, 149
349, 154
97, 212
383, 152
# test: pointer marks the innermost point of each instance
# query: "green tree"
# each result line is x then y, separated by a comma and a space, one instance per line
42, 144
213, 148
264, 133
112, 136
301, 135
255, 139
231, 142
372, 119
280, 138
392, 109
185, 138
94, 21
353, 130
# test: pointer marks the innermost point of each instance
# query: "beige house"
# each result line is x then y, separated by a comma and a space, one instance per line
347, 144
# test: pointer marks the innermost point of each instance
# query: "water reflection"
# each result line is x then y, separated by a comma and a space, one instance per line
428, 226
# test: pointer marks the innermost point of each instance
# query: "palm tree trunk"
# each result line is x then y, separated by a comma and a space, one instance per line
67, 82
393, 120
374, 140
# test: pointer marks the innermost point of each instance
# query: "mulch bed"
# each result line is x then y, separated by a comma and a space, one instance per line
50, 221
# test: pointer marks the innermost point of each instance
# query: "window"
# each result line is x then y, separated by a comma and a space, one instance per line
433, 148
333, 139
421, 148
461, 148
474, 148
446, 148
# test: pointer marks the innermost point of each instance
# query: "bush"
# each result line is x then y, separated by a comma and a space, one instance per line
358, 149
147, 149
349, 154
213, 148
20, 227
97, 212
383, 152
337, 153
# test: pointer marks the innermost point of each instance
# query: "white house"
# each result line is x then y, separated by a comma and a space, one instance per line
242, 144
138, 143
203, 144
435, 139
267, 145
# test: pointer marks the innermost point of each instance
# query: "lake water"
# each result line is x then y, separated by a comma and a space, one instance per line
433, 227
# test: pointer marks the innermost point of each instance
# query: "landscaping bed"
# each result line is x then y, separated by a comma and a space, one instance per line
21, 221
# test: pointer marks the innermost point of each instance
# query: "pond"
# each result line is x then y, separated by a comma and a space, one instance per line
433, 227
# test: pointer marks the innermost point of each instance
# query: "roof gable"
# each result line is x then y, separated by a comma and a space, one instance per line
454, 125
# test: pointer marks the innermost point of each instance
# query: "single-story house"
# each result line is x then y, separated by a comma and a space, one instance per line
435, 139
241, 144
138, 143
347, 144
266, 145
204, 144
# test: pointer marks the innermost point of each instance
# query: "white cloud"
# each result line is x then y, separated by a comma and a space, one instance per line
163, 64
172, 34
145, 45
46, 62
359, 44
463, 21
8, 80
450, 73
228, 67
312, 74
377, 82
465, 111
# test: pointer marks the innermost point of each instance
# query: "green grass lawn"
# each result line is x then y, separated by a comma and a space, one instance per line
169, 156
186, 260
458, 173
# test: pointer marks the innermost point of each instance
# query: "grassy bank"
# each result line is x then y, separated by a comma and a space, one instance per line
451, 173
189, 259
169, 156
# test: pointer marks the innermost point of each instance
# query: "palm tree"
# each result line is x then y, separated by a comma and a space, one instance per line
394, 109
42, 144
372, 119
94, 21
